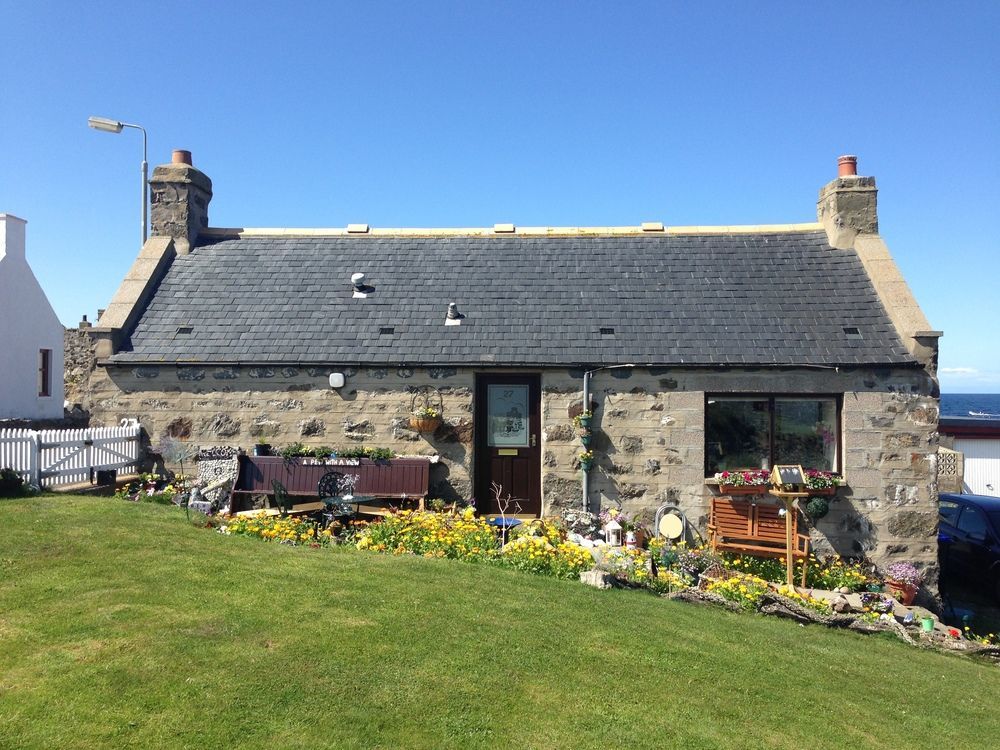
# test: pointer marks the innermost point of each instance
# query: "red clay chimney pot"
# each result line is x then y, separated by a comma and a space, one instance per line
846, 166
180, 156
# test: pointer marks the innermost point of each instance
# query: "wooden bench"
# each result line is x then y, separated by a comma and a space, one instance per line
755, 529
399, 479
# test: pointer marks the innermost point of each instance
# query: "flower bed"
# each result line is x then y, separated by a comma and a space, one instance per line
152, 488
284, 530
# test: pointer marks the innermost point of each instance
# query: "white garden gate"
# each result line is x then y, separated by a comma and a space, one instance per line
48, 457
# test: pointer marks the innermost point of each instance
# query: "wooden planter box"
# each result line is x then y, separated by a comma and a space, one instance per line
729, 489
825, 492
395, 479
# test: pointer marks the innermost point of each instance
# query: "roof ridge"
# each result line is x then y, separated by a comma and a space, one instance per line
618, 231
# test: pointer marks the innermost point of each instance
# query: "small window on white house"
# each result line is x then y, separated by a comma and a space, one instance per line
44, 372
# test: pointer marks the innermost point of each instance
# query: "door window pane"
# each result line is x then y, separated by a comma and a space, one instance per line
805, 432
508, 407
737, 434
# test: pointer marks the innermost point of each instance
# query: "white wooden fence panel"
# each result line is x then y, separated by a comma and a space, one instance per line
68, 456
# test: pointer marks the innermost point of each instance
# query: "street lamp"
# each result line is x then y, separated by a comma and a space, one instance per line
114, 126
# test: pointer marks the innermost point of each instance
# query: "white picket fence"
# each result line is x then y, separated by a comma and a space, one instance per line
47, 457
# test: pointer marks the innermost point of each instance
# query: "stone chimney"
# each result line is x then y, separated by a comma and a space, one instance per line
179, 198
11, 237
847, 205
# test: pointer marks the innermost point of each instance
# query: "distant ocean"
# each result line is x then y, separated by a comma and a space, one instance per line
983, 405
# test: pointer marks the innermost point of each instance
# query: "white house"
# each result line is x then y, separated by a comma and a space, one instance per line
31, 336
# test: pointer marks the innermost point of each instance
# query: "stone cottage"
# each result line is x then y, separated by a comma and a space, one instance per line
700, 348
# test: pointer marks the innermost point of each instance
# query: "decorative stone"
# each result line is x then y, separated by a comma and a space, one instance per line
190, 373
912, 524
312, 427
549, 459
289, 372
559, 433
179, 428
668, 384
318, 372
560, 493
840, 605
400, 429
287, 404
358, 430
146, 373
261, 372
404, 372
621, 373
264, 427
461, 431
222, 425
378, 373
628, 491
672, 457
597, 578
442, 372
631, 444
652, 466
155, 403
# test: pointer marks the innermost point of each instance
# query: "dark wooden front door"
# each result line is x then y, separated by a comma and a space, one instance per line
508, 443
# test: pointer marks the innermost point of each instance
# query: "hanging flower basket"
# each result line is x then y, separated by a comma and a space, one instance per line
424, 425
824, 492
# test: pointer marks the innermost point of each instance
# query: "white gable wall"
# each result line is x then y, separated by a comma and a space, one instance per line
27, 324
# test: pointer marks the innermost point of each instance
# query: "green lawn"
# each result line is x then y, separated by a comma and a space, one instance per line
121, 625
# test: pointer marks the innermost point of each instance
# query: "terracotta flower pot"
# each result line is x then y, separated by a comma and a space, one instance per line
902, 592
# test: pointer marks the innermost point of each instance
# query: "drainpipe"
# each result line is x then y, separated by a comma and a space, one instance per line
586, 406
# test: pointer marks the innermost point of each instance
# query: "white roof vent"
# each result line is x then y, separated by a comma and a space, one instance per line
453, 317
358, 282
357, 228
503, 228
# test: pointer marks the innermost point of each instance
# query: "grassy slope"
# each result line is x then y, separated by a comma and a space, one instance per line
121, 625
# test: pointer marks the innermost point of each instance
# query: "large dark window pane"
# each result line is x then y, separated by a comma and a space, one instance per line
805, 432
737, 434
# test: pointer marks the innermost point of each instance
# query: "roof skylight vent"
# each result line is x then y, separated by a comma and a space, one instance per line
852, 332
184, 330
386, 331
607, 331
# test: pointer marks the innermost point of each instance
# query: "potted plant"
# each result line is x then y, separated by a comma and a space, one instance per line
902, 580
586, 460
585, 440
425, 419
743, 481
583, 419
262, 449
821, 483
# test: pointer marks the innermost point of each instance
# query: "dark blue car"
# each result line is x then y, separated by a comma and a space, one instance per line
969, 539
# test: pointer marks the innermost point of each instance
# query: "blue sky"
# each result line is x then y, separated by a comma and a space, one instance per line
467, 114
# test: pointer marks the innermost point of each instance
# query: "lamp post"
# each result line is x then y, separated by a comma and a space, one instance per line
114, 126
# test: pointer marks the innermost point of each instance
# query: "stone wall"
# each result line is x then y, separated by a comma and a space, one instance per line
649, 432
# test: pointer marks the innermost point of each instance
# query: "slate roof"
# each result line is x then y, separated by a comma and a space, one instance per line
781, 298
